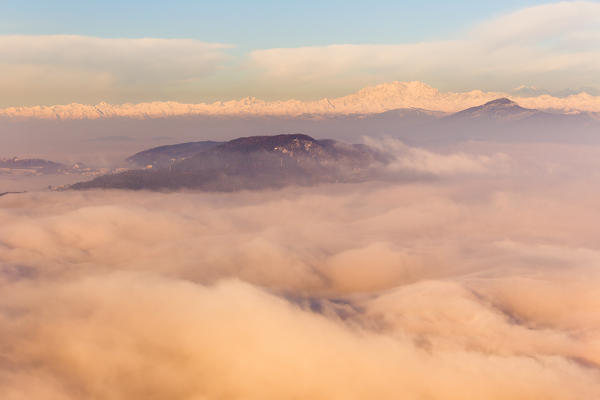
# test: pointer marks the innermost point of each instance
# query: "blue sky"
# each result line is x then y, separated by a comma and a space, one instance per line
253, 24
194, 51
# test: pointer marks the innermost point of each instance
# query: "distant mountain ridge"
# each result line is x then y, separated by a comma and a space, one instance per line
163, 156
254, 162
370, 100
36, 165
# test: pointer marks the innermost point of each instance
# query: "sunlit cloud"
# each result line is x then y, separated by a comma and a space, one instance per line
47, 68
482, 282
553, 46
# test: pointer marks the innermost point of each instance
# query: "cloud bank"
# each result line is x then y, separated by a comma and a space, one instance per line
480, 284
68, 67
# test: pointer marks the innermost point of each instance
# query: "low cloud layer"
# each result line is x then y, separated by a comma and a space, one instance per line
419, 160
481, 283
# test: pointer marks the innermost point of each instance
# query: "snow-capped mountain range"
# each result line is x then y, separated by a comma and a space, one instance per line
370, 100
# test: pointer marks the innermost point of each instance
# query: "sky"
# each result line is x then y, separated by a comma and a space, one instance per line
192, 51
253, 24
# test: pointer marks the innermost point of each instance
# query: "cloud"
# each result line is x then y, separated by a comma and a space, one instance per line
60, 66
562, 19
477, 284
551, 46
427, 162
171, 339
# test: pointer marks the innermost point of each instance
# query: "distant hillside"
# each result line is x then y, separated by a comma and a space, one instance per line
21, 167
502, 108
163, 156
251, 163
30, 165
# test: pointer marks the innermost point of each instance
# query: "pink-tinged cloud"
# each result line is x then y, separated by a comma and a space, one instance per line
43, 68
443, 289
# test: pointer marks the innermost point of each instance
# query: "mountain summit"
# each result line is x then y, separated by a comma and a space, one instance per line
502, 102
502, 108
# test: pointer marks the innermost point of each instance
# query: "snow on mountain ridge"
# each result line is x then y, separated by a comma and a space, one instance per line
369, 100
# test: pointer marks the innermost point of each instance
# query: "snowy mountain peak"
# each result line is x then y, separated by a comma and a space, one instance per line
370, 100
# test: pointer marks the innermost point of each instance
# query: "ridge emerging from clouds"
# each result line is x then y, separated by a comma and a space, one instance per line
369, 100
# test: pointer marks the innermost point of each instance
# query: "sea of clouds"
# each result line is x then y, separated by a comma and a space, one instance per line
480, 281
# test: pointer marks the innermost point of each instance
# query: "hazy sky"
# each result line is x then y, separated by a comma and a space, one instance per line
73, 51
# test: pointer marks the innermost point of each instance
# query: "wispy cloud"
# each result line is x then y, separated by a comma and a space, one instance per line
80, 68
552, 46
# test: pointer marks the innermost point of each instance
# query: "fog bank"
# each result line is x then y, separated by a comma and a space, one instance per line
481, 283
